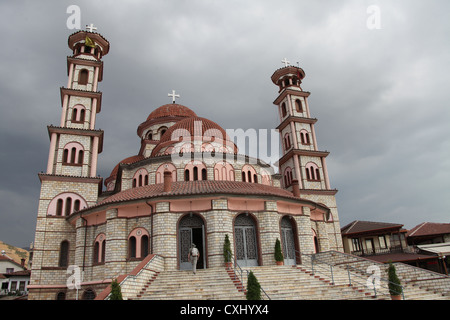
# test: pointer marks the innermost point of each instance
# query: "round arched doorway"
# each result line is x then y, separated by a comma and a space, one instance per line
288, 240
246, 244
191, 230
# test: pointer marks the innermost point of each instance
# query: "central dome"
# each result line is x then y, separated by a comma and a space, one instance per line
199, 129
171, 110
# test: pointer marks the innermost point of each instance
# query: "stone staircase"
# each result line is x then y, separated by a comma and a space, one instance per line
207, 284
299, 283
150, 281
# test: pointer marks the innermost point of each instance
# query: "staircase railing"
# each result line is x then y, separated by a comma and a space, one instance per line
369, 278
240, 273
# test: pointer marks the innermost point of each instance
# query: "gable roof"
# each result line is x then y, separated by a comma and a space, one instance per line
429, 228
358, 226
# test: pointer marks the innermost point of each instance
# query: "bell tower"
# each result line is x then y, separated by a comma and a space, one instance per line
70, 182
301, 159
302, 162
75, 143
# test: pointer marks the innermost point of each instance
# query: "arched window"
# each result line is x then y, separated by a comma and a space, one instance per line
194, 171
304, 137
78, 113
88, 294
59, 207
223, 171
65, 204
76, 205
138, 244
83, 77
82, 115
132, 247
298, 105
99, 248
65, 156
61, 296
80, 156
68, 208
287, 141
288, 177
64, 254
283, 109
159, 176
312, 172
140, 178
249, 174
73, 154
144, 246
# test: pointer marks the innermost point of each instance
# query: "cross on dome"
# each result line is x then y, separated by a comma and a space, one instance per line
285, 61
91, 27
173, 95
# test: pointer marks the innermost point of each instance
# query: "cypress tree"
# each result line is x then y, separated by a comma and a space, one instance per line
116, 292
253, 288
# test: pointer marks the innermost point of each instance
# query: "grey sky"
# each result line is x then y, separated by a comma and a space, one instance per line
381, 96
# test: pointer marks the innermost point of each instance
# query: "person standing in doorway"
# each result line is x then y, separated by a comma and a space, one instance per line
193, 256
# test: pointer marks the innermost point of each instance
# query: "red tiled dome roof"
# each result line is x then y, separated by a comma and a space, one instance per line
126, 161
171, 110
192, 125
196, 127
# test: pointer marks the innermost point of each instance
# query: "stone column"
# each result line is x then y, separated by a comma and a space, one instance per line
165, 235
219, 222
305, 237
116, 244
269, 231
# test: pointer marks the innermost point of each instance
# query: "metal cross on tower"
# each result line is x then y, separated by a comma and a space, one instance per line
285, 61
173, 95
91, 27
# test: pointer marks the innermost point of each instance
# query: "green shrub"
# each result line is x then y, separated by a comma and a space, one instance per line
253, 288
278, 252
395, 288
116, 292
227, 249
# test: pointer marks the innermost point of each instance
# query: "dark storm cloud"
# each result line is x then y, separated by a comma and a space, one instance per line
381, 96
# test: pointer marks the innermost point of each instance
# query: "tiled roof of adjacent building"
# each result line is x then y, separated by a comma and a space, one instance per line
358, 226
429, 228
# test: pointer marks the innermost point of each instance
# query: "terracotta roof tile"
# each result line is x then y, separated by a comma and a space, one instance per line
429, 228
365, 226
197, 188
171, 110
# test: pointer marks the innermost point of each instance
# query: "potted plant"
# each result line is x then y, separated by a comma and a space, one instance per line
278, 253
227, 252
395, 288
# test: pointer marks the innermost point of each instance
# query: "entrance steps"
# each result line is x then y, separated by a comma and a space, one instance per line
206, 284
297, 282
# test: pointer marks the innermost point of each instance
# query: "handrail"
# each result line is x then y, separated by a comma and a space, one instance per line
375, 282
241, 279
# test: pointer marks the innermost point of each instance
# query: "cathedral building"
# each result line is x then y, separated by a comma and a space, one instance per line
187, 183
